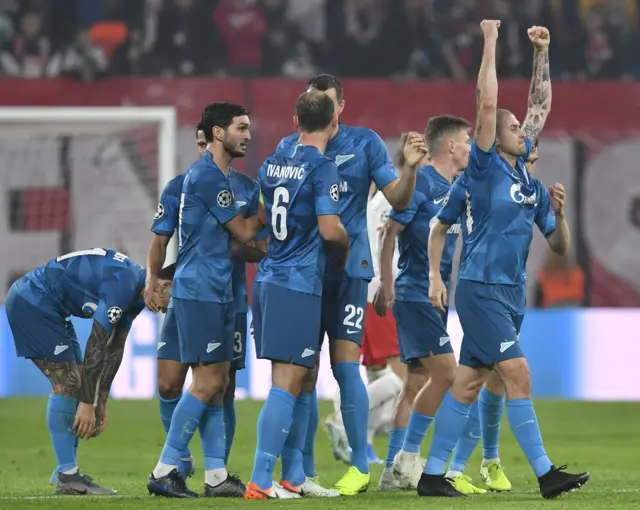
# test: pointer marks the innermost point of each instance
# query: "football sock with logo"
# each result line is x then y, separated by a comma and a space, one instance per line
167, 408
467, 442
274, 424
416, 430
354, 406
308, 460
524, 424
292, 468
490, 409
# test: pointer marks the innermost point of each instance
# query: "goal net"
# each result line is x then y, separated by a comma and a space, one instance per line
76, 178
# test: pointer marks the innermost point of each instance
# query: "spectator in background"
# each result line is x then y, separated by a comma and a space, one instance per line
300, 64
29, 52
363, 27
83, 60
282, 37
560, 284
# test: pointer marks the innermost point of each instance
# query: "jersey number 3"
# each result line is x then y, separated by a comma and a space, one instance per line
279, 213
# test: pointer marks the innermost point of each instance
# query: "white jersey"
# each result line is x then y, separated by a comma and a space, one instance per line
378, 210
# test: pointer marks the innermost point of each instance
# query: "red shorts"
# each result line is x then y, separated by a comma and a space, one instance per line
379, 338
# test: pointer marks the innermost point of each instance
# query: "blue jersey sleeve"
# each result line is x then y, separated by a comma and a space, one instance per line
545, 217
406, 216
165, 220
455, 204
215, 191
326, 189
479, 160
381, 168
256, 199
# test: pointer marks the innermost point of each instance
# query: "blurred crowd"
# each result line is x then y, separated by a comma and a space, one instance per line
90, 39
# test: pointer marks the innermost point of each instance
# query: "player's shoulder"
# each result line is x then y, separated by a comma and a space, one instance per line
243, 179
288, 141
366, 135
174, 186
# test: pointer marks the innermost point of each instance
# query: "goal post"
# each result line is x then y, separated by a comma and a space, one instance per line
76, 177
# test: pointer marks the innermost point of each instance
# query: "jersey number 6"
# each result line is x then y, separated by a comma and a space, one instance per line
279, 213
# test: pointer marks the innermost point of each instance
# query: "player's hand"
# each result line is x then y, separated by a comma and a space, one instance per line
150, 298
102, 419
558, 197
437, 292
539, 36
85, 421
383, 299
490, 28
415, 148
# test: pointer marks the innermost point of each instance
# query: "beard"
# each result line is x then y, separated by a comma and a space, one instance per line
235, 150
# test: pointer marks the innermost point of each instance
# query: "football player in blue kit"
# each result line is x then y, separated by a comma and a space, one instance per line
361, 157
202, 298
422, 335
98, 283
502, 204
171, 371
300, 189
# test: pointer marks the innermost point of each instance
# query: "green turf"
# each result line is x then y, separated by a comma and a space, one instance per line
601, 438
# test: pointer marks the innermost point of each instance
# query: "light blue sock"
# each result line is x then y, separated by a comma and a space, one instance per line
184, 423
292, 468
354, 406
61, 413
308, 460
396, 437
490, 408
274, 424
212, 435
524, 424
167, 408
229, 425
416, 430
450, 422
467, 442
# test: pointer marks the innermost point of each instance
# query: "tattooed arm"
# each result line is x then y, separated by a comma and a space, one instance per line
94, 355
540, 89
487, 88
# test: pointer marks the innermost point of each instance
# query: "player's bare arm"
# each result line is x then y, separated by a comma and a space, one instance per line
246, 252
437, 288
399, 192
384, 296
487, 88
246, 229
335, 236
560, 240
540, 89
155, 259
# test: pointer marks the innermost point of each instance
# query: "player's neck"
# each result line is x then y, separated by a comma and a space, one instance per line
317, 140
445, 168
509, 158
335, 131
221, 157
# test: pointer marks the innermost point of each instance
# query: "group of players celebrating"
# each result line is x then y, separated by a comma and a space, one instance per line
305, 220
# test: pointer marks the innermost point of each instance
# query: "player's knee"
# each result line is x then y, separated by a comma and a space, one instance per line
516, 377
443, 370
209, 384
310, 380
344, 351
467, 383
171, 377
415, 381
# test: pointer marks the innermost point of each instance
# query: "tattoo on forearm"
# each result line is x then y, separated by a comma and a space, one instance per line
111, 364
539, 96
93, 363
64, 376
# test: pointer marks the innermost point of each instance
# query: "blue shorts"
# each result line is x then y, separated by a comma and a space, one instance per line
239, 342
286, 324
422, 331
491, 316
205, 331
40, 332
344, 302
169, 343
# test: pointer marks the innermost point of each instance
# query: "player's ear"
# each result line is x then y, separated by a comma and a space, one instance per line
218, 133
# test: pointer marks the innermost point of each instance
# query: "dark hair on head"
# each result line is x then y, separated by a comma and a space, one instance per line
219, 115
167, 272
398, 158
324, 82
441, 126
314, 110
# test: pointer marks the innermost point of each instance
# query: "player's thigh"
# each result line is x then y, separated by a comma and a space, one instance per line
290, 325
421, 331
169, 342
205, 331
350, 304
380, 338
488, 324
239, 342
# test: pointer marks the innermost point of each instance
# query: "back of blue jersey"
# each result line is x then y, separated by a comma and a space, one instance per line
298, 185
361, 157
97, 283
412, 282
500, 205
204, 266
165, 220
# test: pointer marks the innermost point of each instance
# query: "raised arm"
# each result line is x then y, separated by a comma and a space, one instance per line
540, 90
487, 88
399, 191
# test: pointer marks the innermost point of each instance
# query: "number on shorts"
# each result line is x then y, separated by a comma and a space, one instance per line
237, 344
279, 212
352, 313
93, 251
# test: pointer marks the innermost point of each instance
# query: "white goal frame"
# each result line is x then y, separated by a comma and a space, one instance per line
165, 117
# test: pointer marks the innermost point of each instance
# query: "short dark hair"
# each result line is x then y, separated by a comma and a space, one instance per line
399, 156
167, 272
324, 82
441, 126
219, 115
314, 110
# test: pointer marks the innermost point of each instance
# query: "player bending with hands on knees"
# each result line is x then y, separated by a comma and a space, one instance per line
98, 283
502, 203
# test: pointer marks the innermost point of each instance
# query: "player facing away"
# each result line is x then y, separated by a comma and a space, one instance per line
424, 342
98, 283
203, 303
300, 189
503, 202
171, 371
361, 157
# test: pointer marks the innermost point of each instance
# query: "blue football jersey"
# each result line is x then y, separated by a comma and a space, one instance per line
97, 283
297, 187
412, 282
361, 157
247, 195
165, 220
500, 206
204, 266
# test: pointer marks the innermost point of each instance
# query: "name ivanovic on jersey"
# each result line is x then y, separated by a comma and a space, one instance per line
285, 172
